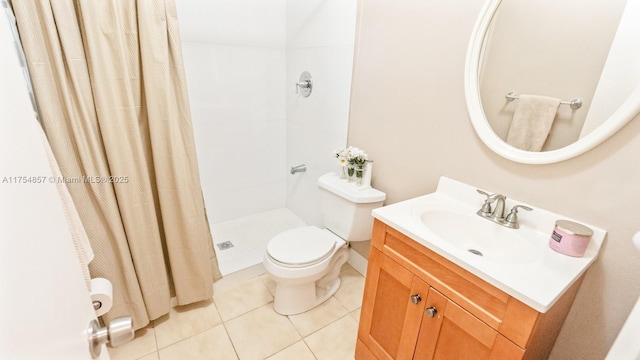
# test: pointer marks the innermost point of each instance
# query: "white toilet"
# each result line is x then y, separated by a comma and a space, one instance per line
305, 262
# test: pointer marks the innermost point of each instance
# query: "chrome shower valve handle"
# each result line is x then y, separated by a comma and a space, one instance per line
304, 86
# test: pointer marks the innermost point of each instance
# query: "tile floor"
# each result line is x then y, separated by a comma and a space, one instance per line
240, 323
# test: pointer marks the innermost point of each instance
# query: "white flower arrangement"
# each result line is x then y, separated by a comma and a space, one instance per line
342, 155
350, 155
357, 156
352, 160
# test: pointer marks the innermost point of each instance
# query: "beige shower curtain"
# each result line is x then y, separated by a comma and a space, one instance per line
110, 86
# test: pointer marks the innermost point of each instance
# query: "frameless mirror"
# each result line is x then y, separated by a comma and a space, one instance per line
578, 49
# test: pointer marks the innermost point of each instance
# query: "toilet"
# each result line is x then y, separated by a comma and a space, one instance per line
305, 261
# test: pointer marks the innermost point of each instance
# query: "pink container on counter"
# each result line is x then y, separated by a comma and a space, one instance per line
570, 238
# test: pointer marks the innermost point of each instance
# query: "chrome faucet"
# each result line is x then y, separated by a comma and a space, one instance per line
486, 211
496, 214
298, 169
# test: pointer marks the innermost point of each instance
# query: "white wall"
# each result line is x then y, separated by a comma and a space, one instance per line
320, 39
242, 60
234, 53
621, 73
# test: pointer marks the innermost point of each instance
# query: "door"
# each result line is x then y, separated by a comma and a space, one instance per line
450, 332
45, 307
394, 300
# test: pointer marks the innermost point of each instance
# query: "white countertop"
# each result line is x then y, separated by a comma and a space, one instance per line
538, 280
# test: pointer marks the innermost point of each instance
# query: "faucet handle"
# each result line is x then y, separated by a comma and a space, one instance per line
512, 219
486, 207
491, 197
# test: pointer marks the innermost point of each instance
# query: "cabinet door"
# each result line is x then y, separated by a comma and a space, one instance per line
450, 332
392, 309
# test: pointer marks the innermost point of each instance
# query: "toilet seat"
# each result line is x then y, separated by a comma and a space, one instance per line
301, 247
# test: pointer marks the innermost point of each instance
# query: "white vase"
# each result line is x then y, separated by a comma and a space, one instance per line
359, 170
366, 180
343, 172
351, 173
363, 175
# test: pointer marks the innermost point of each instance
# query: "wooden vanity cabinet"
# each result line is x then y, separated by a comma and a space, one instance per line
418, 305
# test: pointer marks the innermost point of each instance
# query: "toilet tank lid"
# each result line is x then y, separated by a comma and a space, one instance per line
341, 187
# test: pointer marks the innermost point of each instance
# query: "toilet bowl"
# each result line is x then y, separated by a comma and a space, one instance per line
305, 262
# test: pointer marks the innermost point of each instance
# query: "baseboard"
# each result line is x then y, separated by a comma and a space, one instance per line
358, 262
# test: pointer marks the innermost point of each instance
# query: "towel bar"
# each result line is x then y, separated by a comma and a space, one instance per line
574, 103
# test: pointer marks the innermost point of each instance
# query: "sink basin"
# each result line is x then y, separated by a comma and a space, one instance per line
482, 237
516, 261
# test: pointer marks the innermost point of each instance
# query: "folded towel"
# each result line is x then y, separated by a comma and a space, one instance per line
532, 122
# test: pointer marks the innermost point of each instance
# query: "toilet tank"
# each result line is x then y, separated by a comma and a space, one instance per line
346, 208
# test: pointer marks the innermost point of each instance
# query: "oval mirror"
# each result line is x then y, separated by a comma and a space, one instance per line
515, 50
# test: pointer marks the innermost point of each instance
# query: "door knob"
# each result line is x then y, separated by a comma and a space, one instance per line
431, 311
118, 332
416, 298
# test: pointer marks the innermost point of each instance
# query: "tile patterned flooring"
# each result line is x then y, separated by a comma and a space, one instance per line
240, 323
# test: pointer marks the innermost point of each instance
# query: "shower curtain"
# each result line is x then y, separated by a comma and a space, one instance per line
110, 87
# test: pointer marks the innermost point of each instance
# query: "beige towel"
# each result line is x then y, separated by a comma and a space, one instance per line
532, 122
78, 234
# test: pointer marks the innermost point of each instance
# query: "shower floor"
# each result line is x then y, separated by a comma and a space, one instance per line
249, 236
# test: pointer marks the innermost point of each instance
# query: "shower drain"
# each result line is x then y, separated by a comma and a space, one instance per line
475, 252
225, 245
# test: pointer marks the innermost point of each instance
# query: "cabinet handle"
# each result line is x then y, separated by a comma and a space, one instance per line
431, 311
416, 298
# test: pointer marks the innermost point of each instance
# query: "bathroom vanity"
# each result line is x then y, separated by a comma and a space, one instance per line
431, 298
418, 304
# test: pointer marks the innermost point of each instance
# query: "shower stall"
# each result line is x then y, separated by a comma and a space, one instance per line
243, 59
